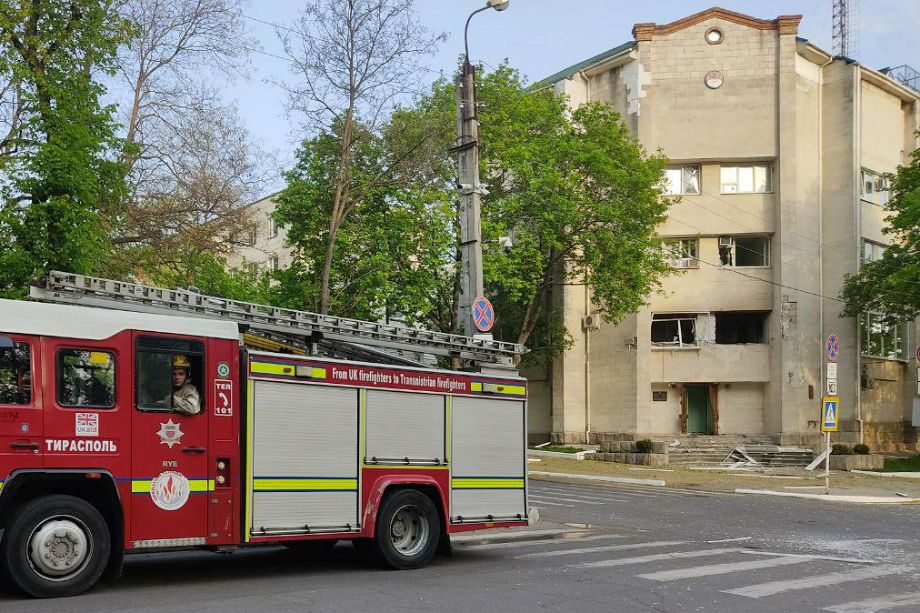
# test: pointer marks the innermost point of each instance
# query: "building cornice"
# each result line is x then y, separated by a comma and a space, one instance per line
784, 24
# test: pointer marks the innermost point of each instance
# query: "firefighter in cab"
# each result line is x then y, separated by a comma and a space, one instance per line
184, 397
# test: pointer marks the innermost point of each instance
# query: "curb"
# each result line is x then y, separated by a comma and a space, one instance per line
629, 480
834, 497
898, 475
580, 455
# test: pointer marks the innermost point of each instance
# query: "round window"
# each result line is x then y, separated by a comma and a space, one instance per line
714, 36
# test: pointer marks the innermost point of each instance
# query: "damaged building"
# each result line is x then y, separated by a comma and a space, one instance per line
778, 151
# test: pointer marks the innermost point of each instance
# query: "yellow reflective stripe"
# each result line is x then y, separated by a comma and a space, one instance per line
487, 483
304, 485
1, 486
286, 370
476, 386
505, 389
142, 486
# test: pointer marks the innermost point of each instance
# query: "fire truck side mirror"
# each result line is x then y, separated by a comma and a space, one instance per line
6, 342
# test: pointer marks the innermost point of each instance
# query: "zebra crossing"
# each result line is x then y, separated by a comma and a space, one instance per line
735, 573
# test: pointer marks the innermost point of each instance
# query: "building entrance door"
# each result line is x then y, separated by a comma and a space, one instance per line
699, 415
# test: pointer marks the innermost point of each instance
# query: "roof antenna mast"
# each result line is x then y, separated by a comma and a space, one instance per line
841, 27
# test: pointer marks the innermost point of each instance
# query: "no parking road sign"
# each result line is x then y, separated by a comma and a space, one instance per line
832, 347
830, 414
483, 314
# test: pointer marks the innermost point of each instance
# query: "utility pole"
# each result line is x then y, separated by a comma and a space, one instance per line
471, 191
471, 283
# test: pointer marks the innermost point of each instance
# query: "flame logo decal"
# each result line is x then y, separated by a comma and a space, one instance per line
169, 490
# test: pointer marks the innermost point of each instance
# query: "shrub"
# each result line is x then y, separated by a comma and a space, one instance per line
840, 449
861, 449
644, 446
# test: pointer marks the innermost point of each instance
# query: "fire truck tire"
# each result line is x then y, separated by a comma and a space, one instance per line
408, 530
56, 546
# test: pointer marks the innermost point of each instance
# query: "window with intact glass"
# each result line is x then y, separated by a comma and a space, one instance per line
880, 339
86, 378
872, 251
746, 178
15, 374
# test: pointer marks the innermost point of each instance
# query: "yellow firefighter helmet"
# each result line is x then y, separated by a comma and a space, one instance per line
181, 361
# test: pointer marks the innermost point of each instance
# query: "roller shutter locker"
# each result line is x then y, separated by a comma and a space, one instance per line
401, 425
487, 459
305, 454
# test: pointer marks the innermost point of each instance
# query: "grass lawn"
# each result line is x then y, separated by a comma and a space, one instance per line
560, 449
902, 465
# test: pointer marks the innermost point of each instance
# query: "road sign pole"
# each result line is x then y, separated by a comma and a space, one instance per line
827, 464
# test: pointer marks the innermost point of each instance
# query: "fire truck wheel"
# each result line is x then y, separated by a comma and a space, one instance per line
56, 546
408, 529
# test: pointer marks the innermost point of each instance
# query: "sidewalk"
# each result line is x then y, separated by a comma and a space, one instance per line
779, 480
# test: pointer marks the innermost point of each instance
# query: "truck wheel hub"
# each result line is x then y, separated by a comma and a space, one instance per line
59, 548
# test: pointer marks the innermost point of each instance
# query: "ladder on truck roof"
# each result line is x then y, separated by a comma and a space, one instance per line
310, 332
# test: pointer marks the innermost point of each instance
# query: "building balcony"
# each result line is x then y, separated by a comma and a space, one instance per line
710, 363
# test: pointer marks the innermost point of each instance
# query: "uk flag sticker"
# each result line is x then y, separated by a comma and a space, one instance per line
87, 424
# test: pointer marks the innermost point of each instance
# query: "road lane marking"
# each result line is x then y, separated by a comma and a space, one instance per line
552, 504
491, 536
778, 587
701, 553
719, 569
539, 498
895, 601
810, 556
734, 540
604, 496
565, 552
571, 539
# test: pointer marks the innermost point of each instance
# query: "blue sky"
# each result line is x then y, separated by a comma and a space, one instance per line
540, 37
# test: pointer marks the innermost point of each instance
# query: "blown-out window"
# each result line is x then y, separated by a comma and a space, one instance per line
678, 330
680, 180
682, 252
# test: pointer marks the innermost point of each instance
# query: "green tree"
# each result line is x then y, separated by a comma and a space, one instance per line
891, 285
60, 156
385, 251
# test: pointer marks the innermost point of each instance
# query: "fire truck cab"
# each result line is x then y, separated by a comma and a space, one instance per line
98, 461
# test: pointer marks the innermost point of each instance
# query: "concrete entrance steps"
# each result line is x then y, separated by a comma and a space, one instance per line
701, 449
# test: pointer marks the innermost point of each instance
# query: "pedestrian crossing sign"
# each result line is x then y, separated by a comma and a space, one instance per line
830, 414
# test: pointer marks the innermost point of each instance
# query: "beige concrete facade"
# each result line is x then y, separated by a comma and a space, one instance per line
267, 249
778, 140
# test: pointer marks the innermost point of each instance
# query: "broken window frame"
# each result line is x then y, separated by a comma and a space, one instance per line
874, 187
679, 342
682, 180
731, 250
682, 252
733, 181
719, 333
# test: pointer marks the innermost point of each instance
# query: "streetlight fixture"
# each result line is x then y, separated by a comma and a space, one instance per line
467, 148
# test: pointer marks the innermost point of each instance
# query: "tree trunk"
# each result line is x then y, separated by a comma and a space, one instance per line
339, 208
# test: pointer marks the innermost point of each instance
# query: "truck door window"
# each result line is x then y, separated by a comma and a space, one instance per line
169, 374
15, 373
86, 378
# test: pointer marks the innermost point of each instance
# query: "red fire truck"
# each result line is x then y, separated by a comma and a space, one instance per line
309, 429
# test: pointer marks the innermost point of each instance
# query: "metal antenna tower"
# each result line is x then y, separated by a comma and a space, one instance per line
841, 28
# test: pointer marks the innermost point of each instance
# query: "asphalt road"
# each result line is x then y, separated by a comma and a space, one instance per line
618, 549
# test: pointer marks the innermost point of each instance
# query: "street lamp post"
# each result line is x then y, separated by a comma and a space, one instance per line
471, 191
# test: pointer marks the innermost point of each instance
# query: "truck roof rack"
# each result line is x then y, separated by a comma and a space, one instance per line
311, 332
